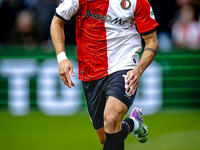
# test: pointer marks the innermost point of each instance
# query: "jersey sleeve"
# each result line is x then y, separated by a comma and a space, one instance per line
67, 9
144, 17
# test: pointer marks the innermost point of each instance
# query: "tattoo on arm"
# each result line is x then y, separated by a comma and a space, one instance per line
152, 50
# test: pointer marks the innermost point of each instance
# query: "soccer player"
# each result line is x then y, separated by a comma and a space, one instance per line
108, 35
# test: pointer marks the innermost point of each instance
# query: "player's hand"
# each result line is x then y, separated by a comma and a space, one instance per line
132, 80
65, 70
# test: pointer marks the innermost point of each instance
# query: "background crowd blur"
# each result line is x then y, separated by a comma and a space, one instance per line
27, 22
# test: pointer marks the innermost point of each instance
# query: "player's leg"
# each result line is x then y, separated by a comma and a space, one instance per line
117, 130
116, 107
113, 115
126, 127
118, 103
101, 135
132, 124
96, 101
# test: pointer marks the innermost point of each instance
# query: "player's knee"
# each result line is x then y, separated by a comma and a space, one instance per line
110, 122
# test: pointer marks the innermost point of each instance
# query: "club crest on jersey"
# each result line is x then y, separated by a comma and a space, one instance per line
125, 4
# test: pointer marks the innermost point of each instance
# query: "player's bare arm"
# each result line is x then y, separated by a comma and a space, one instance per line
58, 38
150, 51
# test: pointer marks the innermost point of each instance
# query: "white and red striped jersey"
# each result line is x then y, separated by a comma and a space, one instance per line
108, 33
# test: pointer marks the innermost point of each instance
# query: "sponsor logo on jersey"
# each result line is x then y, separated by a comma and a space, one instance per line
107, 18
125, 4
151, 13
119, 21
91, 15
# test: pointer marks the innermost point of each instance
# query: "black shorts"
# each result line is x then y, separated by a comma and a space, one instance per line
98, 91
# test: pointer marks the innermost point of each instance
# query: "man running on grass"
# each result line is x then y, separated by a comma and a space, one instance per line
108, 35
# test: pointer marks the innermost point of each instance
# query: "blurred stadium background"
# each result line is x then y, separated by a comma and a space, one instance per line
38, 112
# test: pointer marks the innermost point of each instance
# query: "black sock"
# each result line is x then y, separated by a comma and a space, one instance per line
114, 141
127, 127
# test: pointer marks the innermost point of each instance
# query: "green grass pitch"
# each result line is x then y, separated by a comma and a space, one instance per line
169, 130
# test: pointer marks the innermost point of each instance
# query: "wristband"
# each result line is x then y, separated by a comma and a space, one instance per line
61, 56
